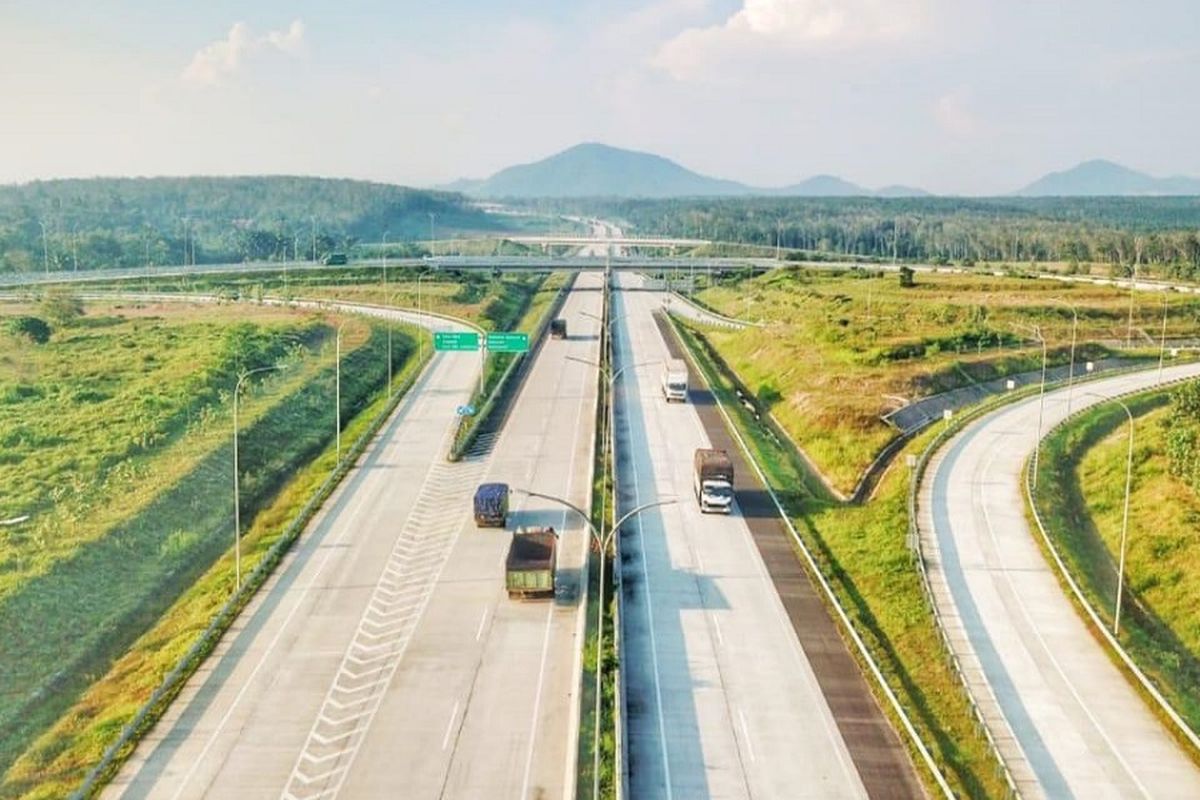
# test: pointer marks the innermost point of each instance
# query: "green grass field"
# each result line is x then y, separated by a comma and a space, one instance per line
116, 442
842, 348
1081, 495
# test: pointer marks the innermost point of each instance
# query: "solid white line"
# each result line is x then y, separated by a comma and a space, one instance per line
746, 735
717, 627
482, 620
637, 494
450, 726
537, 703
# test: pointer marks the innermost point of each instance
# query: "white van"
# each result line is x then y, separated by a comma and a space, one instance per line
675, 380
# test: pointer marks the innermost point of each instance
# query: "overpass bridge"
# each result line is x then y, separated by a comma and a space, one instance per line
612, 241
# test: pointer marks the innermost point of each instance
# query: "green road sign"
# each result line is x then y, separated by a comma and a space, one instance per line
455, 340
508, 342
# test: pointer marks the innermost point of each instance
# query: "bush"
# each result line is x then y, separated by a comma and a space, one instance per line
31, 328
61, 306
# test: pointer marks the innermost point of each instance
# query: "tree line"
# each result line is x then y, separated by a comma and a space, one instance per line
1163, 232
131, 222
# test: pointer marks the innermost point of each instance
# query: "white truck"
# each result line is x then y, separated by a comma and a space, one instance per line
713, 471
675, 380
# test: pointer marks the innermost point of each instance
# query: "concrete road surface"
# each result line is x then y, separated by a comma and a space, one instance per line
384, 659
1070, 721
721, 700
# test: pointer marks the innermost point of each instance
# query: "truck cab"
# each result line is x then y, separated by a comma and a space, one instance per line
675, 380
491, 505
713, 474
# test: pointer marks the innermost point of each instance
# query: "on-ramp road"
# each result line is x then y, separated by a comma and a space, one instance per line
1068, 721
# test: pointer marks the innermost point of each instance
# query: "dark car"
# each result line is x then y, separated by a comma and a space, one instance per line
558, 328
491, 505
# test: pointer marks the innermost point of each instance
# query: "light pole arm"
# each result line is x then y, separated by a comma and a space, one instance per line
582, 514
644, 507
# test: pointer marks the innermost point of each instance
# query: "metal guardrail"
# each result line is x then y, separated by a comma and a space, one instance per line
831, 597
149, 712
1093, 616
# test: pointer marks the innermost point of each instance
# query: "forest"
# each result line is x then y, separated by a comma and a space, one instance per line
1163, 232
131, 222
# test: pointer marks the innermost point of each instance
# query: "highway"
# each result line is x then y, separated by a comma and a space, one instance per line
721, 698
384, 658
1070, 723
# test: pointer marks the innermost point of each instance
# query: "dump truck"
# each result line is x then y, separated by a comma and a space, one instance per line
529, 568
558, 328
335, 260
675, 380
713, 480
491, 505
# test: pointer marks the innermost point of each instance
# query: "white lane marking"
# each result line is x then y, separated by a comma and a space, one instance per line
637, 494
746, 735
482, 622
450, 725
537, 703
717, 627
828, 723
987, 517
352, 516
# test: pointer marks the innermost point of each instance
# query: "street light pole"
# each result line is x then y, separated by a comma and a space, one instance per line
603, 542
1037, 450
431, 216
338, 389
237, 500
1162, 342
1071, 369
1124, 521
389, 322
45, 248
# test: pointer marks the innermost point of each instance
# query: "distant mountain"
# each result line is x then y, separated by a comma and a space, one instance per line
1100, 178
897, 190
598, 170
822, 186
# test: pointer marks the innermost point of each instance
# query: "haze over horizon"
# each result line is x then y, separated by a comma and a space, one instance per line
926, 93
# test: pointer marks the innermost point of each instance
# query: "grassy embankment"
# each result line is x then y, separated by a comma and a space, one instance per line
133, 404
1081, 493
841, 348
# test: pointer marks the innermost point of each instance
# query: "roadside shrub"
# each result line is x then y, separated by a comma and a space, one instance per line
32, 328
61, 306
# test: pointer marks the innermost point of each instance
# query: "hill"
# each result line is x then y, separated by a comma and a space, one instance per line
125, 222
1104, 178
598, 170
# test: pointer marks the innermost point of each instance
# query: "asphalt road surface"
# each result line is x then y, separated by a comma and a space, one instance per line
1071, 723
721, 699
384, 658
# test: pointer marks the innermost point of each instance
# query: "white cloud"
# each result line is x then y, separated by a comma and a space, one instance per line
790, 26
225, 56
952, 112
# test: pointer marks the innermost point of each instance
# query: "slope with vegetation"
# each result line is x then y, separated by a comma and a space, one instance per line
1081, 496
845, 347
116, 444
131, 222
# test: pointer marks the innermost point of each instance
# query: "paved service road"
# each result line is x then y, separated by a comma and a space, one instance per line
1073, 725
721, 699
384, 659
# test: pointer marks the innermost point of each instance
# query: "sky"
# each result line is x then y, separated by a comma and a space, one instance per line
955, 96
